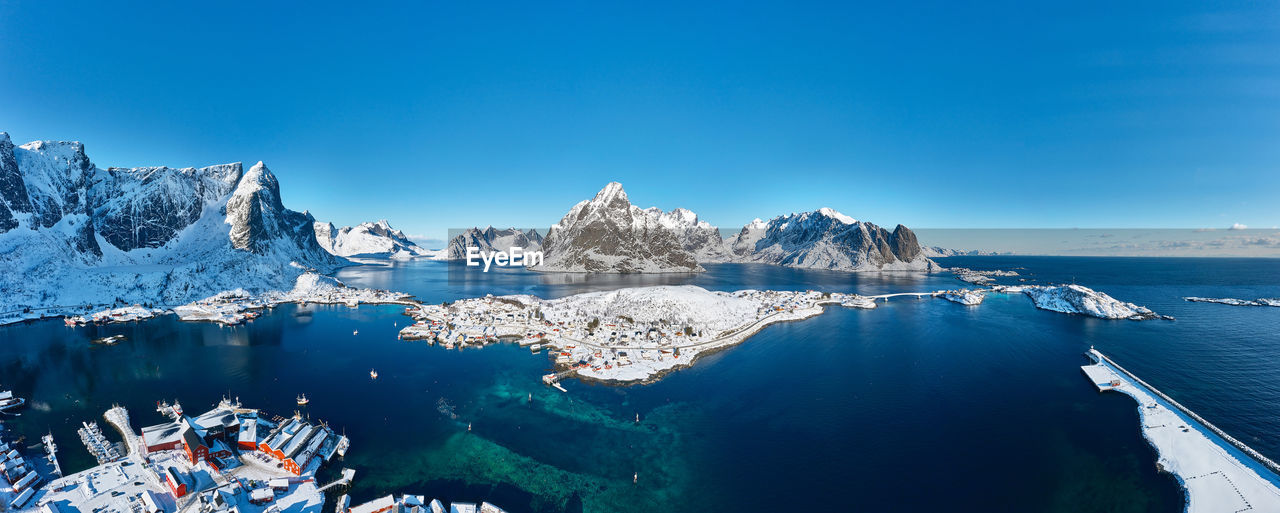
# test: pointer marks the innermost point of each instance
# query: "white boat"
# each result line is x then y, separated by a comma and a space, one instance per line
373, 374
108, 341
356, 332
302, 400
8, 401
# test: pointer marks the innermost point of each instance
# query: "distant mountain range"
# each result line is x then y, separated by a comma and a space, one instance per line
490, 239
607, 234
72, 233
368, 239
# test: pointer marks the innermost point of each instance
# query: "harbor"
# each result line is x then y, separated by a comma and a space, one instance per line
227, 459
1218, 472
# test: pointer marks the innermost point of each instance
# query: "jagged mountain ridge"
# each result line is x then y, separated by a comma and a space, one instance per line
607, 234
491, 239
827, 239
73, 233
368, 239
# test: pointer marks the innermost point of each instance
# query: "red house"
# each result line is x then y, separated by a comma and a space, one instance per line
176, 483
195, 448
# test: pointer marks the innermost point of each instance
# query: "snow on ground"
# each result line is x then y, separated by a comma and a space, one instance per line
236, 306
978, 277
1215, 472
676, 305
123, 314
639, 334
965, 296
1078, 299
1264, 301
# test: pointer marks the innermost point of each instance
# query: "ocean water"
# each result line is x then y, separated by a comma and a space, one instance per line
916, 405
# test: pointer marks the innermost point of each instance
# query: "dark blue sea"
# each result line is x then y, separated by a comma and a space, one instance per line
916, 405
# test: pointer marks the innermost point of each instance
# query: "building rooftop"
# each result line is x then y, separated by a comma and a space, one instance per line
161, 434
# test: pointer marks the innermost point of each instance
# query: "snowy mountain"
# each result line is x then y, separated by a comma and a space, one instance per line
368, 239
742, 245
608, 234
697, 237
939, 252
72, 233
490, 239
826, 239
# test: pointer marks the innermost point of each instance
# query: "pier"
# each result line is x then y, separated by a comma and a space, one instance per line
347, 475
97, 444
118, 417
1218, 472
51, 453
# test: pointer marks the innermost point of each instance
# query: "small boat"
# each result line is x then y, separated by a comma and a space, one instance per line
302, 400
356, 332
108, 341
343, 444
9, 402
373, 374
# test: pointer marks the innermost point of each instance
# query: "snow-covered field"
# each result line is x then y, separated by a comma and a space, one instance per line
673, 305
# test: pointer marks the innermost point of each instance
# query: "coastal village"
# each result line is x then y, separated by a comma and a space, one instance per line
228, 459
628, 335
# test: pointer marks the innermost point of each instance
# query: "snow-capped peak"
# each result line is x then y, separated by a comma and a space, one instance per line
756, 224
258, 178
832, 213
609, 194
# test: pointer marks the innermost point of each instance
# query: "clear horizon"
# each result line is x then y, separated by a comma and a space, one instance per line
1154, 116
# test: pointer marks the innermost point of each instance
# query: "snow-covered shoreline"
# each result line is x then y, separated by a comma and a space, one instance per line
1262, 301
1078, 299
232, 307
637, 335
1216, 471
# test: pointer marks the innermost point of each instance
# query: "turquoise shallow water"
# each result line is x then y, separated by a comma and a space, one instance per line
919, 404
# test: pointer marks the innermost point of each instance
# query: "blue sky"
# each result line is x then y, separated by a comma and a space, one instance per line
452, 114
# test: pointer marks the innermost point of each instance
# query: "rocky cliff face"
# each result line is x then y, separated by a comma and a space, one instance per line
743, 245
695, 236
147, 207
73, 233
826, 239
609, 235
491, 239
367, 239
